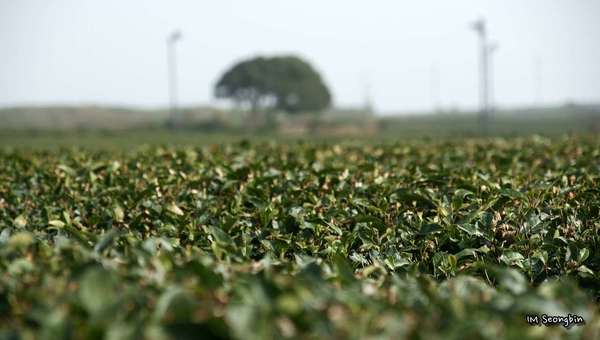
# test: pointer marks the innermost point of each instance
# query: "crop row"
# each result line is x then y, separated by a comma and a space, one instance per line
301, 240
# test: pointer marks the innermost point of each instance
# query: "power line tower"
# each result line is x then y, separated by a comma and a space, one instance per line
172, 67
486, 50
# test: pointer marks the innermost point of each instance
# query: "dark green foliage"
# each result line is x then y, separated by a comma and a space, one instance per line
265, 241
284, 83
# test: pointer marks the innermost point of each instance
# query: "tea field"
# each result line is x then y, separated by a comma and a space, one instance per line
459, 239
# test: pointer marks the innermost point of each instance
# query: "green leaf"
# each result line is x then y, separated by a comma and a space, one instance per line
20, 240
118, 213
584, 253
430, 228
220, 236
585, 270
56, 223
106, 240
98, 291
20, 222
512, 258
470, 229
512, 280
466, 252
174, 304
173, 208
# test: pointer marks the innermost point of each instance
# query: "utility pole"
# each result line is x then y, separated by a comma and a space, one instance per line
484, 76
537, 79
172, 67
436, 102
492, 48
368, 99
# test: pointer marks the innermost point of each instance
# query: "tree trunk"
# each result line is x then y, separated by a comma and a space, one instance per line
253, 117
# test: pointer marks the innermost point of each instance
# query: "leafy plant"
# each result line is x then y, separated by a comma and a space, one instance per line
457, 240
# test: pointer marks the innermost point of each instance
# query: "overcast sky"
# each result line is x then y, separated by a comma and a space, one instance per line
407, 54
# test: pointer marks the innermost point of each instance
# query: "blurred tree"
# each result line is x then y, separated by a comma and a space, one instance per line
284, 83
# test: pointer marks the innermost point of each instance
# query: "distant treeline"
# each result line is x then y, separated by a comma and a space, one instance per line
551, 120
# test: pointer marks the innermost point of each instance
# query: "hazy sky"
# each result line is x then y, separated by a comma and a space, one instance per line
113, 52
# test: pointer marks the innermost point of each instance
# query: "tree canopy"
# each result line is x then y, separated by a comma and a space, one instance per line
285, 83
